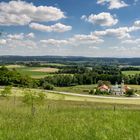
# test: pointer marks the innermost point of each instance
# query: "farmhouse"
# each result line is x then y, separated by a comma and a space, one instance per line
119, 90
116, 89
104, 88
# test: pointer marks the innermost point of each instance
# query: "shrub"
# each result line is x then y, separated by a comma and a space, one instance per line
130, 92
91, 92
48, 86
6, 91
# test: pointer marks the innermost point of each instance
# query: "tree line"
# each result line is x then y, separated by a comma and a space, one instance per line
81, 77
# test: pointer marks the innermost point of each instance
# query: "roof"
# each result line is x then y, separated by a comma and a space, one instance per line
127, 87
103, 87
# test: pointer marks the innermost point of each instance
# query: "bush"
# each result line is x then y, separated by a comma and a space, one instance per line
6, 91
98, 92
91, 92
130, 92
48, 86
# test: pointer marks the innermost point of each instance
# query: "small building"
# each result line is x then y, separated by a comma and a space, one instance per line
104, 88
119, 90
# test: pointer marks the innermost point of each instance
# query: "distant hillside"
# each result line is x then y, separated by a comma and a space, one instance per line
70, 59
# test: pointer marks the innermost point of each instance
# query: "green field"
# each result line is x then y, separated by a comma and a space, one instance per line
81, 89
34, 72
130, 72
30, 71
67, 117
52, 95
68, 120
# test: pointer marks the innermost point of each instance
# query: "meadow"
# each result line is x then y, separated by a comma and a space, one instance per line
34, 72
80, 89
130, 72
68, 120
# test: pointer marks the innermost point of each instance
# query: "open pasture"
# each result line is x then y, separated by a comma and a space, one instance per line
130, 72
81, 89
66, 120
34, 72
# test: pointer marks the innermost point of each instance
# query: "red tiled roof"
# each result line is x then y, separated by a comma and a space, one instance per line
104, 87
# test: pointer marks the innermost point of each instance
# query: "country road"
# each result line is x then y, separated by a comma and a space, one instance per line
94, 96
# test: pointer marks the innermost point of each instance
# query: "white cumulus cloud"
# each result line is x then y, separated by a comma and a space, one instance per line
54, 42
22, 13
58, 27
137, 23
102, 19
3, 41
16, 36
30, 35
113, 4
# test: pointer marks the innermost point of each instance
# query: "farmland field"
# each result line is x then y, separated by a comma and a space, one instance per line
34, 72
66, 120
130, 72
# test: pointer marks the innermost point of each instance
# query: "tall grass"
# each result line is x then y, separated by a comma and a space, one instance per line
65, 120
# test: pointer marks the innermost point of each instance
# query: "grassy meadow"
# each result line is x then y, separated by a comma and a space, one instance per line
130, 72
68, 120
34, 72
81, 89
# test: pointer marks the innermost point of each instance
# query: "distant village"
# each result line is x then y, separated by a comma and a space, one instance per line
116, 89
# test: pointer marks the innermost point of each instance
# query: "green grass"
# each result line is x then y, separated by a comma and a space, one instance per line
67, 120
130, 72
29, 71
53, 64
81, 89
84, 89
34, 74
57, 96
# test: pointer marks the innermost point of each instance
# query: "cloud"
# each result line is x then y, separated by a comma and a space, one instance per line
22, 13
20, 44
54, 42
20, 36
85, 39
102, 19
76, 40
3, 41
58, 27
16, 36
120, 33
113, 4
30, 35
137, 23
131, 42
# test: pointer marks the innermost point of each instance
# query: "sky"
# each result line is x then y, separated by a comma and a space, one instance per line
93, 28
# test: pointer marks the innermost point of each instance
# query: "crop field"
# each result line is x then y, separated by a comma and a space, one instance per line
130, 72
66, 120
35, 72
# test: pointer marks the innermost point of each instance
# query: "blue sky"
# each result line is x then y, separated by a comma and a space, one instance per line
95, 28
